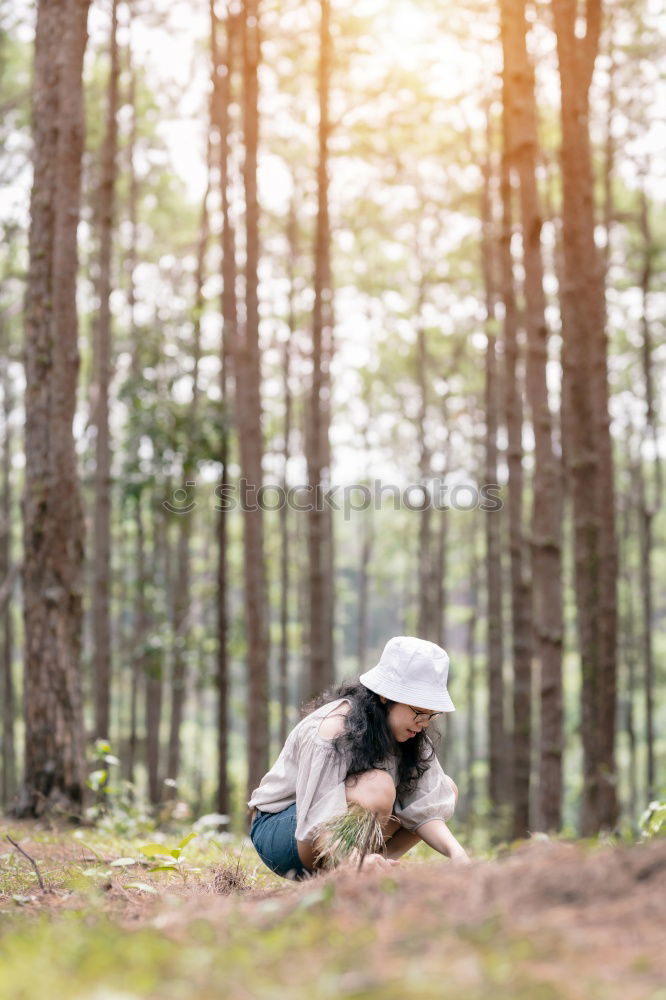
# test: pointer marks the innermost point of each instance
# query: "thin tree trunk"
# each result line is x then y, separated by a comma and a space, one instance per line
182, 599
154, 658
470, 729
520, 590
140, 633
627, 635
648, 505
497, 790
8, 788
283, 657
320, 541
248, 401
138, 666
101, 612
52, 512
199, 732
585, 393
222, 89
367, 545
440, 558
521, 127
427, 626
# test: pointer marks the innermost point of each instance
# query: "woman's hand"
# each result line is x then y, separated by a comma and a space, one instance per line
459, 856
371, 862
437, 835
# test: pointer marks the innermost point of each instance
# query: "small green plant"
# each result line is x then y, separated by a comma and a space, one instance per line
170, 858
98, 780
653, 821
117, 809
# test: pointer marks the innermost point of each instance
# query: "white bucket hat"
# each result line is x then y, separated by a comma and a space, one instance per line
412, 671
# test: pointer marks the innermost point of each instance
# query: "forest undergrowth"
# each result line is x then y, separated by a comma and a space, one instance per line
163, 916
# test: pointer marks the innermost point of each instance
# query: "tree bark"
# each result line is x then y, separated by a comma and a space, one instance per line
497, 790
546, 542
182, 598
283, 656
427, 624
101, 612
320, 524
153, 658
588, 440
248, 403
470, 727
627, 633
649, 498
7, 570
440, 565
223, 70
140, 633
52, 511
520, 590
368, 538
141, 618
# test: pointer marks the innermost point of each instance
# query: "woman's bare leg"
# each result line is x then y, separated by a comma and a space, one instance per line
375, 791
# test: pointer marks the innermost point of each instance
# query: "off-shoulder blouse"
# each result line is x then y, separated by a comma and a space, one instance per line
311, 773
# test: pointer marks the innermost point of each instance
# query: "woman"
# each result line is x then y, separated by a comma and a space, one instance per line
366, 743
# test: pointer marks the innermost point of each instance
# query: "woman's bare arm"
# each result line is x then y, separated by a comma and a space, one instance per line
436, 834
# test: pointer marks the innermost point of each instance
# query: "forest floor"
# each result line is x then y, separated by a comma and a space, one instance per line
546, 920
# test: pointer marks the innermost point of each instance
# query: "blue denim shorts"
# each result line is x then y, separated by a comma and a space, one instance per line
274, 839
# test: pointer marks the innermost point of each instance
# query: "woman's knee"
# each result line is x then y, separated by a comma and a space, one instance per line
373, 789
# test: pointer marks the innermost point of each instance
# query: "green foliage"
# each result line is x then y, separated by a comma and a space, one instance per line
171, 858
98, 780
653, 821
118, 808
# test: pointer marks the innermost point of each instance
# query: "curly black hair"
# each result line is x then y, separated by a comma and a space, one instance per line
368, 739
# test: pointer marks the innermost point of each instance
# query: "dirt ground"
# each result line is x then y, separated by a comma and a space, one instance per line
549, 920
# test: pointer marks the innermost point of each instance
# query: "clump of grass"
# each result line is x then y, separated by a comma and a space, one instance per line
228, 879
357, 830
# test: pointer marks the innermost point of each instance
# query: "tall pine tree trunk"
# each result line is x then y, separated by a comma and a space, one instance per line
588, 440
52, 511
520, 590
248, 405
182, 598
497, 789
628, 646
649, 498
140, 620
140, 632
283, 656
470, 727
154, 656
521, 120
223, 69
320, 523
7, 573
101, 612
427, 627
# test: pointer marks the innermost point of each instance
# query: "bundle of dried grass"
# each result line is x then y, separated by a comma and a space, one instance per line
230, 878
357, 830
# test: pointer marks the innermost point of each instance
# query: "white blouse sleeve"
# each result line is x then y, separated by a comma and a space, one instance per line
433, 798
320, 783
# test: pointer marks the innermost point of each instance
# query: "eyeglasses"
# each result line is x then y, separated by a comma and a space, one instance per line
423, 716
